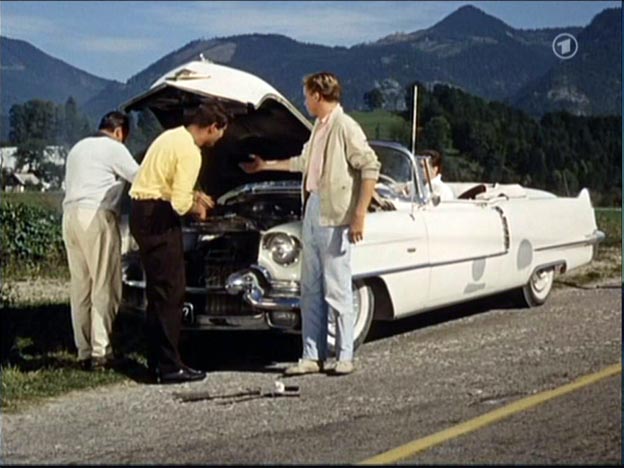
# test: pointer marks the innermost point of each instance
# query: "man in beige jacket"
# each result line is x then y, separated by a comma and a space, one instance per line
340, 171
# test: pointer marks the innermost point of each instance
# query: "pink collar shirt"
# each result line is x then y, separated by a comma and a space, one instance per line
315, 170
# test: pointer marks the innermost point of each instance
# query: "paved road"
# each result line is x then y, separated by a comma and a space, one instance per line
415, 378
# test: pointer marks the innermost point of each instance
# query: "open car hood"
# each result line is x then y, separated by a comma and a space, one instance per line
264, 123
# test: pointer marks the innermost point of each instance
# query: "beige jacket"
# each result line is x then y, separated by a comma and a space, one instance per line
347, 159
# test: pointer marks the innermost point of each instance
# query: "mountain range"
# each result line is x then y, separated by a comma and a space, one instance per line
468, 49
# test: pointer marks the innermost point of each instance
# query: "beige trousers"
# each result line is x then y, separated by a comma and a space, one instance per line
93, 246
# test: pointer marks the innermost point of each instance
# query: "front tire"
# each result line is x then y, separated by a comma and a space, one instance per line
364, 307
537, 290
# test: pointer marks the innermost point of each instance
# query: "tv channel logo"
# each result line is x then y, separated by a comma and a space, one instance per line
565, 46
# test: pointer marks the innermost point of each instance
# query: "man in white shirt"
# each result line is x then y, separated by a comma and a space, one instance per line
439, 188
95, 174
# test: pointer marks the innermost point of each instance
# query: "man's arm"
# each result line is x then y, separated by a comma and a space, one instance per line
356, 228
185, 177
361, 157
258, 164
124, 165
293, 164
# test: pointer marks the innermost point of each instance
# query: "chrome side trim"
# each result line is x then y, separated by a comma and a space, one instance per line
596, 237
141, 285
425, 265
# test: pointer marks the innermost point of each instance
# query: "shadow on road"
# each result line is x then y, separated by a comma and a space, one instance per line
42, 333
382, 330
253, 351
40, 329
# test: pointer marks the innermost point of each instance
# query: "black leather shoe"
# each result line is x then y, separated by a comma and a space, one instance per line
102, 363
85, 364
194, 371
179, 376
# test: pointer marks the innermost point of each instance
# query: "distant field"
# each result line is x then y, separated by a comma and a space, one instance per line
383, 125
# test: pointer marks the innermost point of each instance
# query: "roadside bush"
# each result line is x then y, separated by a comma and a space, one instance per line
31, 240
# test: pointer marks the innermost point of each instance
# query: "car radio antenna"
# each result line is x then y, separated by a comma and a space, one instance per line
414, 118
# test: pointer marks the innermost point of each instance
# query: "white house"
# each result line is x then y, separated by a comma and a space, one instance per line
19, 180
7, 157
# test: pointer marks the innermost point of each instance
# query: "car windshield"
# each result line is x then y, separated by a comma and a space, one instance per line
396, 178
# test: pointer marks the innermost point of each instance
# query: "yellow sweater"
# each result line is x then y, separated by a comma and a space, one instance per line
169, 170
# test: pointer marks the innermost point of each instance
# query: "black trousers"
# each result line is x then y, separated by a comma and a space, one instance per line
156, 227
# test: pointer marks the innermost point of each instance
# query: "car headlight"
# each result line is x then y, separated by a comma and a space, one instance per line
284, 248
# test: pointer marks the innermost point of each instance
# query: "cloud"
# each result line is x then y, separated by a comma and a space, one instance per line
330, 23
27, 26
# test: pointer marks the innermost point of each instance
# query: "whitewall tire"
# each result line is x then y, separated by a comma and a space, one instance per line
363, 306
537, 290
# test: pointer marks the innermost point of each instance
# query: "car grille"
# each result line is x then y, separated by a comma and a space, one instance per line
226, 305
208, 264
215, 276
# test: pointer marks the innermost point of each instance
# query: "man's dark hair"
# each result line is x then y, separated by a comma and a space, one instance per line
115, 119
436, 158
206, 114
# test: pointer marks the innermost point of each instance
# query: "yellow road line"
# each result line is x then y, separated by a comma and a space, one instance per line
411, 448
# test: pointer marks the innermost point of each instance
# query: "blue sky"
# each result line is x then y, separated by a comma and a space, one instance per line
119, 39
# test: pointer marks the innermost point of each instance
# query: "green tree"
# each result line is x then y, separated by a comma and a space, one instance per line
35, 129
73, 125
374, 99
33, 120
436, 135
33, 126
144, 129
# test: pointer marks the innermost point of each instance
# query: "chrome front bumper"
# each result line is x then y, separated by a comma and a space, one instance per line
255, 284
275, 303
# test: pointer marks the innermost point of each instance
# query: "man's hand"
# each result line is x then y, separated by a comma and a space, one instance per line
204, 199
356, 228
200, 212
258, 164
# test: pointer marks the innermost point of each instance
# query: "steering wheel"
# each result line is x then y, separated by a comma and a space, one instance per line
388, 180
472, 192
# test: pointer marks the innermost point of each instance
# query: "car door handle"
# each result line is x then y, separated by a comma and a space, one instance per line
411, 250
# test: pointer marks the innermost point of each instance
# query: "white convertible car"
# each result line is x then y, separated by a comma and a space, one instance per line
243, 264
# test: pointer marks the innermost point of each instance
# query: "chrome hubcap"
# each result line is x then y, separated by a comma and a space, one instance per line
541, 281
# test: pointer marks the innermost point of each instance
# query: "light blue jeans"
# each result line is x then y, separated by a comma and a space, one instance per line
325, 286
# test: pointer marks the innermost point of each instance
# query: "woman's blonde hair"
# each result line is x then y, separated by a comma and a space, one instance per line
324, 83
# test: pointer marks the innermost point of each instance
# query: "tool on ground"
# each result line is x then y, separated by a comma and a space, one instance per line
279, 390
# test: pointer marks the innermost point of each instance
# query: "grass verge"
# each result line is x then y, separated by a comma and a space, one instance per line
608, 262
40, 357
36, 378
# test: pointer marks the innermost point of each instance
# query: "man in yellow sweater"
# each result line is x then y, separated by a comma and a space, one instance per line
162, 192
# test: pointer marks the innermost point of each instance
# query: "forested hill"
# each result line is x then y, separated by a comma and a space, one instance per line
490, 141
